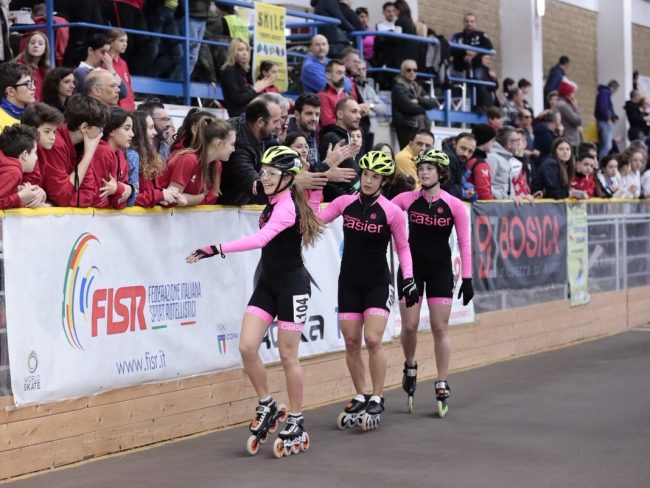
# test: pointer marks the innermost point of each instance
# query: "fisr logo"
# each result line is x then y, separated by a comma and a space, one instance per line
122, 309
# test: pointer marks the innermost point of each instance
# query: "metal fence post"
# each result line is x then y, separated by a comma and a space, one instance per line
187, 83
49, 30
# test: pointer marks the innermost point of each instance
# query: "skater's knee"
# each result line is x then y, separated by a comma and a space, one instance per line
409, 328
373, 342
248, 351
440, 328
353, 345
289, 358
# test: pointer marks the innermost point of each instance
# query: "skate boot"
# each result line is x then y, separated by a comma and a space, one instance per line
292, 439
353, 411
371, 418
442, 394
409, 381
267, 416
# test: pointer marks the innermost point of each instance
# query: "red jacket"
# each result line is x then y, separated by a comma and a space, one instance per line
107, 163
59, 162
150, 193
122, 70
480, 177
36, 176
11, 173
584, 183
185, 170
133, 3
329, 97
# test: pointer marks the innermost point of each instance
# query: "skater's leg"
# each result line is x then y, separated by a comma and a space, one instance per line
351, 330
439, 317
373, 334
253, 329
409, 335
288, 343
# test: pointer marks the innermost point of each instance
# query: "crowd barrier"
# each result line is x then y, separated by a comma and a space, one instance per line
101, 300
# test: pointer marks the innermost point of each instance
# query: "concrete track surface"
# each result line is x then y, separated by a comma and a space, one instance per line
574, 417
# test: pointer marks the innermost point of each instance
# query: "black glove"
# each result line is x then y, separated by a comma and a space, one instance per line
466, 291
204, 252
410, 292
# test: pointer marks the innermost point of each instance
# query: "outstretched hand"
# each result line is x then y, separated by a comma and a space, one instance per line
202, 253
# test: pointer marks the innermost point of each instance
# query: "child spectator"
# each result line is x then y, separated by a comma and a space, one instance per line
45, 120
119, 41
18, 156
608, 181
36, 57
58, 87
66, 176
196, 172
477, 166
149, 164
183, 137
629, 167
582, 184
17, 88
555, 173
109, 167
269, 70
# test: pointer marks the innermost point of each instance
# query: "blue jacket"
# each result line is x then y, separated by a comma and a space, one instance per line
554, 79
313, 75
133, 160
604, 110
543, 141
549, 181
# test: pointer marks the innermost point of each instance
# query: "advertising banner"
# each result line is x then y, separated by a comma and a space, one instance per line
270, 42
578, 253
518, 247
110, 301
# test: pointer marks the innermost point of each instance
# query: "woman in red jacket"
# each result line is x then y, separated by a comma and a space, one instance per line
150, 164
196, 171
37, 57
119, 41
109, 166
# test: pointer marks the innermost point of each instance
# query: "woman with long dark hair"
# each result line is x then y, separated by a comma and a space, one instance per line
283, 290
555, 173
58, 87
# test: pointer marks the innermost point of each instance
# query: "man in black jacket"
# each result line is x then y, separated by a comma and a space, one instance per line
410, 104
240, 178
348, 117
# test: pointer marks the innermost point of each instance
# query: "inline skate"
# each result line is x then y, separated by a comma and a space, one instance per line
292, 439
267, 416
353, 412
370, 419
409, 381
442, 394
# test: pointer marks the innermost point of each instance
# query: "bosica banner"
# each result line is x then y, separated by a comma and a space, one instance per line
518, 247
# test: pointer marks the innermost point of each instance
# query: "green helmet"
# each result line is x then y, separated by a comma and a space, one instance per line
283, 158
432, 156
378, 162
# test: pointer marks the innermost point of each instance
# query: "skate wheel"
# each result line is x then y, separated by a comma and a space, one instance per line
282, 410
287, 451
409, 403
304, 445
341, 421
264, 438
295, 448
364, 422
273, 427
278, 448
442, 408
252, 446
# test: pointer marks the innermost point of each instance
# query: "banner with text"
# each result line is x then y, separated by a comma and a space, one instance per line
111, 302
270, 42
518, 247
578, 253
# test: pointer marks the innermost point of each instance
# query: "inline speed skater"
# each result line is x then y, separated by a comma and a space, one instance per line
282, 290
365, 293
432, 213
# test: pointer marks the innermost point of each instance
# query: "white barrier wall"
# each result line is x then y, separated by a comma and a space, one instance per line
100, 300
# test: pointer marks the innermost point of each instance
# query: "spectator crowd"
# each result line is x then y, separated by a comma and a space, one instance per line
74, 135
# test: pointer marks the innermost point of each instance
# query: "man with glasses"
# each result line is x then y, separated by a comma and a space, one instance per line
410, 104
525, 123
502, 160
18, 90
103, 87
165, 130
